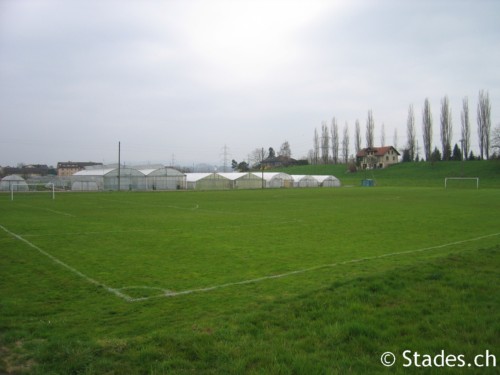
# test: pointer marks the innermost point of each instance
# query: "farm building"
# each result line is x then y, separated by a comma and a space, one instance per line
243, 180
276, 179
377, 157
13, 182
163, 178
327, 181
304, 181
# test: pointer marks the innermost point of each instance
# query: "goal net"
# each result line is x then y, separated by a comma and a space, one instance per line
17, 190
461, 182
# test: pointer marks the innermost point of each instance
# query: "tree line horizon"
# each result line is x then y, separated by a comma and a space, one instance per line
329, 148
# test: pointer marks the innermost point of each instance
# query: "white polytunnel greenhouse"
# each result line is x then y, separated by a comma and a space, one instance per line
276, 179
243, 180
327, 181
106, 178
13, 182
163, 178
304, 181
207, 181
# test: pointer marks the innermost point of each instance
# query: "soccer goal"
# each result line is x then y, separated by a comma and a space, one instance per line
461, 182
24, 189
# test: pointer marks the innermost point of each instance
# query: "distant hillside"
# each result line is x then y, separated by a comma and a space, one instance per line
409, 174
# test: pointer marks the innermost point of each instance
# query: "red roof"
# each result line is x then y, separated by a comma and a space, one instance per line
378, 151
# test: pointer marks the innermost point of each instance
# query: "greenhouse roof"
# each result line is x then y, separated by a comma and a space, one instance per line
13, 177
94, 172
193, 177
322, 178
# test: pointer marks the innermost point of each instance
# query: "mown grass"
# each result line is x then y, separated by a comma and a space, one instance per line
420, 174
338, 318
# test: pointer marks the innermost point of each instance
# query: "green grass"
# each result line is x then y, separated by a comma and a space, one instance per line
411, 174
373, 276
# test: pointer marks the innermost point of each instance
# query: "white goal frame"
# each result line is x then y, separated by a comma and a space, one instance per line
50, 189
461, 178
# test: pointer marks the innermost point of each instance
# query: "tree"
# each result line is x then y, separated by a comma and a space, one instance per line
457, 154
484, 123
406, 156
240, 167
382, 135
345, 144
410, 133
395, 139
464, 117
357, 137
427, 129
258, 156
272, 153
325, 143
285, 150
435, 155
315, 157
335, 141
495, 139
446, 128
370, 128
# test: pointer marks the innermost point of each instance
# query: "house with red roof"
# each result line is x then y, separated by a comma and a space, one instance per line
377, 157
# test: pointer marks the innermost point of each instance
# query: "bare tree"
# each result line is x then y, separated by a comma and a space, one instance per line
395, 139
325, 142
370, 128
382, 135
495, 139
316, 146
484, 123
345, 144
446, 128
285, 150
335, 141
465, 128
410, 133
258, 155
357, 137
427, 129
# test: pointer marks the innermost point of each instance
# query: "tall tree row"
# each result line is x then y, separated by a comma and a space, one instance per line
329, 138
335, 141
427, 129
410, 133
464, 117
446, 128
484, 124
325, 142
357, 137
345, 144
370, 128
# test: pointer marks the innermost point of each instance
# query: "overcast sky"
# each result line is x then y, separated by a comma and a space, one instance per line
181, 79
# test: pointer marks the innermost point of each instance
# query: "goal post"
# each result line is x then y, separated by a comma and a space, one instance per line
448, 179
21, 189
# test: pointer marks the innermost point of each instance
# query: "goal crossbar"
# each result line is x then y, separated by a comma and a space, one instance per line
461, 178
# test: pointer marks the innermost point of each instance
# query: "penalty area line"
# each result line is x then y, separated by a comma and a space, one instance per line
304, 270
114, 291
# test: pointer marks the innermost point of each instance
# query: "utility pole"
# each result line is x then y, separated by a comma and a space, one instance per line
262, 167
119, 164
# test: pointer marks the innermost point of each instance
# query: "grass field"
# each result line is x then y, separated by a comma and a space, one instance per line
411, 174
302, 281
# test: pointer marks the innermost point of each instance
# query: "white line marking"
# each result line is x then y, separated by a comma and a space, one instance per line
47, 209
74, 270
170, 293
331, 265
87, 233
